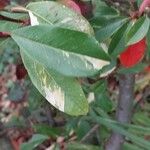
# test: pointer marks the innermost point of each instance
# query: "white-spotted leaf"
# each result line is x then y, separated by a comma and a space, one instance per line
62, 92
69, 52
49, 12
138, 31
52, 53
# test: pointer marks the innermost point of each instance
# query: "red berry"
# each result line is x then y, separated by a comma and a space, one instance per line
4, 34
4, 3
21, 72
86, 8
144, 4
133, 54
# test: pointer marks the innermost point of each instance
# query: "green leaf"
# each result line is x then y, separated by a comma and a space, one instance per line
118, 43
109, 29
135, 69
50, 12
119, 129
3, 42
139, 2
142, 118
82, 129
106, 11
138, 31
36, 140
132, 128
62, 92
104, 102
128, 146
102, 99
47, 130
8, 26
148, 43
67, 51
14, 16
102, 21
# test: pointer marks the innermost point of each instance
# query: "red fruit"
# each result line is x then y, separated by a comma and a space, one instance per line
133, 54
4, 34
145, 3
4, 3
71, 4
21, 72
86, 8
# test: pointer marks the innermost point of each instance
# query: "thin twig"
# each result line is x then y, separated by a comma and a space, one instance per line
124, 109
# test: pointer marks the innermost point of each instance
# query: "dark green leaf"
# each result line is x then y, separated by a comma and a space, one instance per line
108, 30
148, 43
101, 97
139, 141
138, 31
138, 119
118, 43
106, 11
47, 130
82, 129
101, 21
36, 140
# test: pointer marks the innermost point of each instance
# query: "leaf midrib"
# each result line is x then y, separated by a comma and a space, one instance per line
55, 48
